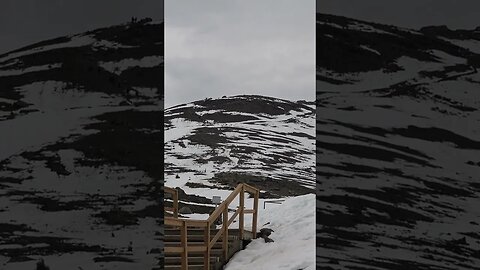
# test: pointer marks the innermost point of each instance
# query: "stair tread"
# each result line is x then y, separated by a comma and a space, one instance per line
194, 257
190, 244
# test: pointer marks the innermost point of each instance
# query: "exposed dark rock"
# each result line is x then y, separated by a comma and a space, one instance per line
265, 233
42, 266
185, 210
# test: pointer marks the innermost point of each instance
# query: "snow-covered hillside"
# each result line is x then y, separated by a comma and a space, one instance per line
74, 189
212, 144
398, 143
124, 60
293, 225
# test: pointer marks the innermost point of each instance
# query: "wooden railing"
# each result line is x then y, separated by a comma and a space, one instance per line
174, 193
222, 209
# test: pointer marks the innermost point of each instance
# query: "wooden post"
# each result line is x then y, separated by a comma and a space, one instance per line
206, 242
225, 233
242, 206
183, 235
255, 214
175, 204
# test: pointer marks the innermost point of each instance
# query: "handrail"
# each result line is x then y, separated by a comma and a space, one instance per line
279, 201
174, 194
206, 224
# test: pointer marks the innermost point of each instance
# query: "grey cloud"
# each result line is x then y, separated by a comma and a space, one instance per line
215, 48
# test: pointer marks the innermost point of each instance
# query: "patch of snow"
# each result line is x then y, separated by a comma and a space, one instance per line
76, 41
362, 81
118, 67
470, 44
15, 72
369, 49
146, 91
57, 115
448, 58
208, 112
55, 96
367, 28
331, 24
293, 223
8, 101
101, 44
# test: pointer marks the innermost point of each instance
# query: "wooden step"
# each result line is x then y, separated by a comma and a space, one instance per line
190, 231
214, 266
194, 263
217, 245
196, 238
191, 259
216, 249
172, 231
190, 267
195, 260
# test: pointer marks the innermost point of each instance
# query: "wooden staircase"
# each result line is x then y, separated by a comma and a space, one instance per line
198, 244
196, 260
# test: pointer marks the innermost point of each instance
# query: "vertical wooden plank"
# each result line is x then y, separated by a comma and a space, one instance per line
175, 204
206, 242
184, 242
242, 207
225, 233
255, 214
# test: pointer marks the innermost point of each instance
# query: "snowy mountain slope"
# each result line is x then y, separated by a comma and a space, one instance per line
398, 137
293, 225
118, 60
74, 189
212, 144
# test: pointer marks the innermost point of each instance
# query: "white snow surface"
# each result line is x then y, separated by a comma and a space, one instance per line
75, 41
293, 223
118, 67
470, 44
15, 72
59, 112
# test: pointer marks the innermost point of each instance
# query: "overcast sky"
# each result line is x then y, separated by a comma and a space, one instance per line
457, 14
217, 47
23, 22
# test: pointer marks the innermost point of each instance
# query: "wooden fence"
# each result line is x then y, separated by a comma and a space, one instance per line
174, 193
208, 243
